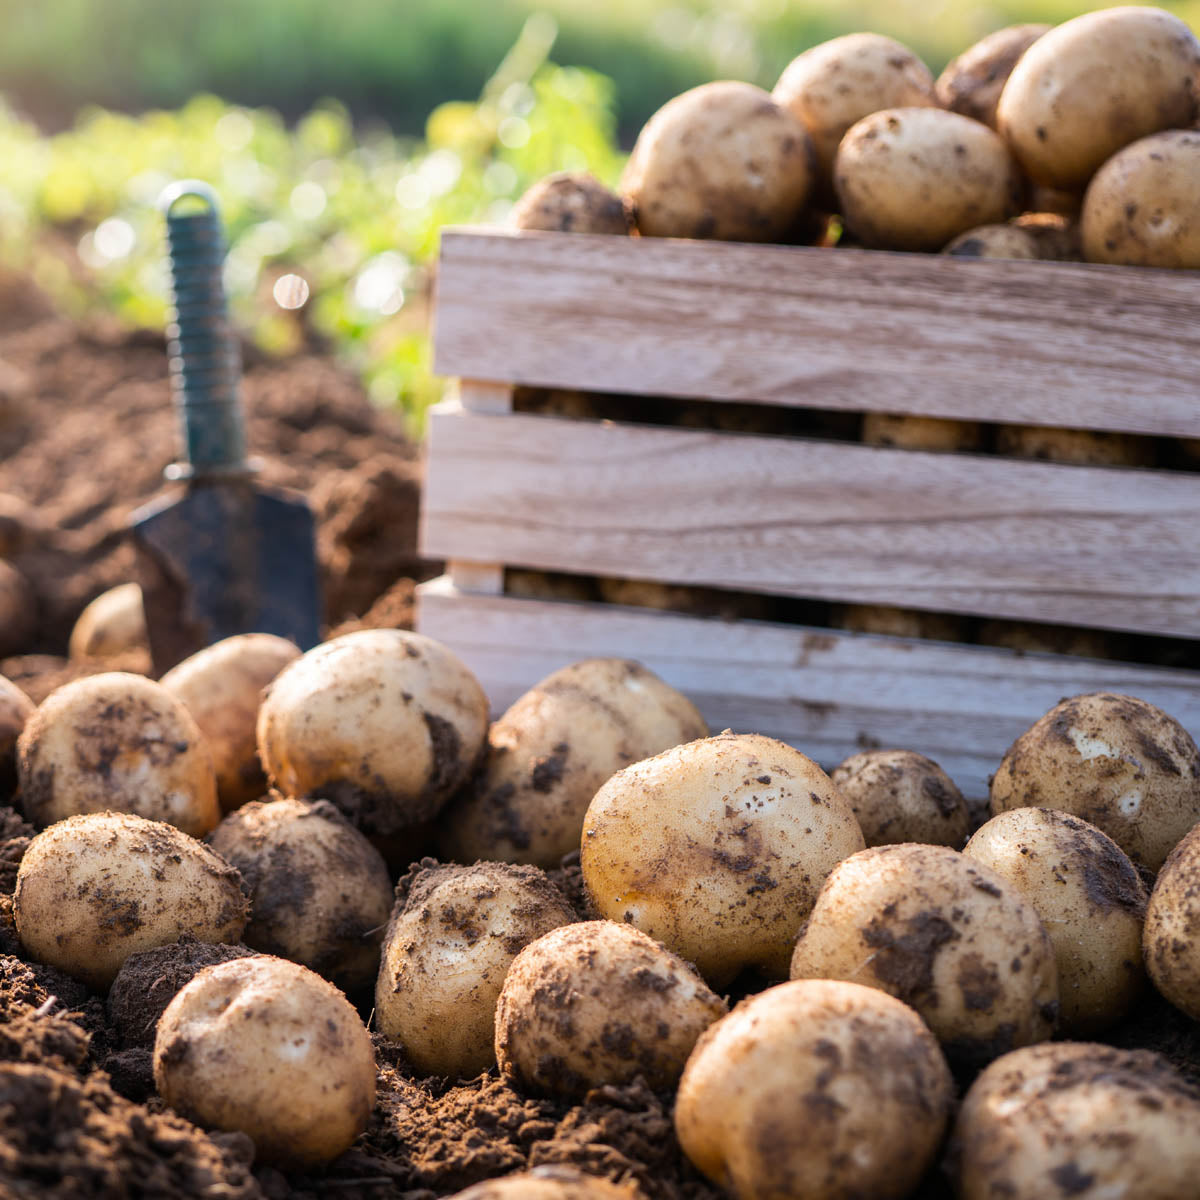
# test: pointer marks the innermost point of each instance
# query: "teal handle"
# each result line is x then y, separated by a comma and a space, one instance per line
205, 364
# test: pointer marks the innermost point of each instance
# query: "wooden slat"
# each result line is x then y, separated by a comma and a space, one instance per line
954, 533
830, 694
1040, 343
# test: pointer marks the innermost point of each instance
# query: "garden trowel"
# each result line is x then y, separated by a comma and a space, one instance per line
222, 555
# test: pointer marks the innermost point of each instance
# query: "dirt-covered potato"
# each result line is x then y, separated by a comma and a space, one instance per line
971, 84
1078, 1120
906, 432
817, 1089
221, 686
550, 752
94, 889
1083, 447
886, 621
1113, 760
836, 84
1050, 639
597, 1003
1091, 900
915, 178
18, 609
1169, 940
118, 742
945, 935
1142, 208
111, 625
452, 938
268, 1048
15, 709
994, 241
902, 796
319, 892
540, 585
717, 848
549, 1183
1095, 84
723, 161
571, 202
386, 724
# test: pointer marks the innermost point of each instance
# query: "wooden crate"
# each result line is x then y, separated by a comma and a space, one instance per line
1030, 343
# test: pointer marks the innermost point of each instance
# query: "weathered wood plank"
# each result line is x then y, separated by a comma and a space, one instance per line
1040, 343
1101, 547
828, 693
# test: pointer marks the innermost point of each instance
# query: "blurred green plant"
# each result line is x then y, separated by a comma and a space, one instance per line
332, 231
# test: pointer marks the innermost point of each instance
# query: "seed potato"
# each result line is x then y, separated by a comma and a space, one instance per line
945, 935
1091, 900
971, 84
120, 742
94, 889
717, 849
550, 1183
722, 161
834, 85
549, 753
1093, 85
319, 892
915, 178
599, 1003
111, 625
571, 202
816, 1089
451, 940
1142, 208
268, 1048
15, 709
1113, 760
221, 686
1080, 1120
1169, 939
902, 796
386, 724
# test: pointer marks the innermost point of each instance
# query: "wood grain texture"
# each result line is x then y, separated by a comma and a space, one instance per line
830, 694
1039, 343
1091, 546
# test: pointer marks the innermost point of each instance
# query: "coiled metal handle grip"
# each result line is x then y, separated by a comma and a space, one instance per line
205, 363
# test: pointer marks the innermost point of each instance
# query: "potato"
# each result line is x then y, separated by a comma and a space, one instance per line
1142, 208
1083, 447
121, 742
452, 938
723, 161
268, 1048
599, 1003
319, 892
1091, 900
386, 724
816, 1089
902, 796
1093, 85
945, 935
886, 621
94, 889
1050, 639
994, 241
834, 85
1045, 201
15, 709
915, 178
971, 84
1169, 941
221, 686
1113, 760
1079, 1120
1054, 233
551, 751
920, 433
571, 202
111, 625
549, 1183
18, 610
717, 849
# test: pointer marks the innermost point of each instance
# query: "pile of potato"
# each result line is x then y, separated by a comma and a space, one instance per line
1074, 142
890, 952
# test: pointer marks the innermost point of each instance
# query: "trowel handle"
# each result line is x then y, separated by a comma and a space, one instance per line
204, 360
